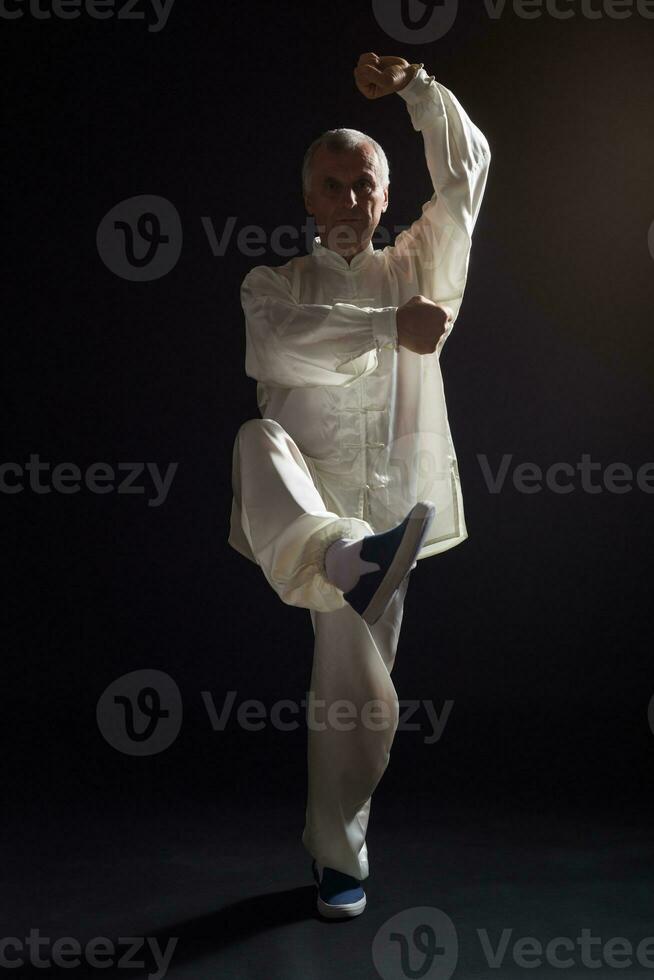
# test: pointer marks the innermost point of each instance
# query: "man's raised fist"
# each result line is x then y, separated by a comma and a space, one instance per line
375, 76
421, 323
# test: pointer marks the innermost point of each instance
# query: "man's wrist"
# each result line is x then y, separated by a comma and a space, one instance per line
419, 86
384, 327
411, 72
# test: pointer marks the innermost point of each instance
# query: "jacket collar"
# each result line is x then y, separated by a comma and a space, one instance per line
331, 258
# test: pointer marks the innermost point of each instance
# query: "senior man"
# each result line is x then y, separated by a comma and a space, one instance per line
350, 476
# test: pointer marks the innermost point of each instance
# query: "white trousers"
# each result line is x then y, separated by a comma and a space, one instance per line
352, 709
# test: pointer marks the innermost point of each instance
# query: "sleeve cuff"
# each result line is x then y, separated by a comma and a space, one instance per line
384, 327
417, 87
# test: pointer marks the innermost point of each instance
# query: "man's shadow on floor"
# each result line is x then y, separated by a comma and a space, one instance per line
198, 938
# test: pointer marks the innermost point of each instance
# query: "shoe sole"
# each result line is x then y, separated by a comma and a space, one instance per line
421, 516
341, 911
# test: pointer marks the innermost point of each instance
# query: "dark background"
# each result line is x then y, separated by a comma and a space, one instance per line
537, 627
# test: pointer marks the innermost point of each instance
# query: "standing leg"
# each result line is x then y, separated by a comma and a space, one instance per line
286, 524
348, 752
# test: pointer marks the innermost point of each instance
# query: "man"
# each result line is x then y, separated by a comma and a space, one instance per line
350, 475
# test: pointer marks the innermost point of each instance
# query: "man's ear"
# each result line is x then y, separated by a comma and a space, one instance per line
385, 205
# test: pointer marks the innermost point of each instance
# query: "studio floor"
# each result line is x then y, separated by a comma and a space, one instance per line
207, 891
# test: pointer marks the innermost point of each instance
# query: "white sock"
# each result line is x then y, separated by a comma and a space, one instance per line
344, 565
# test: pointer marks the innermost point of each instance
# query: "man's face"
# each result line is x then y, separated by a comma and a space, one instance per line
346, 198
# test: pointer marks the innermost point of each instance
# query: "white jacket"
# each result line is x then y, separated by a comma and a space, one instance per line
321, 341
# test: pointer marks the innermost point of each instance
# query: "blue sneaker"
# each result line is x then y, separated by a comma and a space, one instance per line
395, 552
340, 896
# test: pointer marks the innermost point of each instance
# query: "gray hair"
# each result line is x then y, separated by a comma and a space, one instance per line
344, 139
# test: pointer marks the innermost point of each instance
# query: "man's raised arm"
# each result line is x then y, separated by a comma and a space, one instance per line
435, 249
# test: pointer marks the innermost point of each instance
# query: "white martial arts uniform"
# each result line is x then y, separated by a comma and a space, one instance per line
353, 432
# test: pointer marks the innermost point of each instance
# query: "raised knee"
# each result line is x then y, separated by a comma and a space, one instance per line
257, 427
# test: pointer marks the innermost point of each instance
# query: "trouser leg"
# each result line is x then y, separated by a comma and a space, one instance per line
284, 518
349, 747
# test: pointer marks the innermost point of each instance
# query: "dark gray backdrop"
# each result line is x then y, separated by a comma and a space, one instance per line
537, 628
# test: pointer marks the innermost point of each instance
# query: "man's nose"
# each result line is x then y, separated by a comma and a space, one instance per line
349, 197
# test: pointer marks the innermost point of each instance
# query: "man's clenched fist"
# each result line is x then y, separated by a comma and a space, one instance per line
421, 324
375, 76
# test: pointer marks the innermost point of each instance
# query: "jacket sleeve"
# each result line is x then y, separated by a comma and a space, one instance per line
294, 345
435, 249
